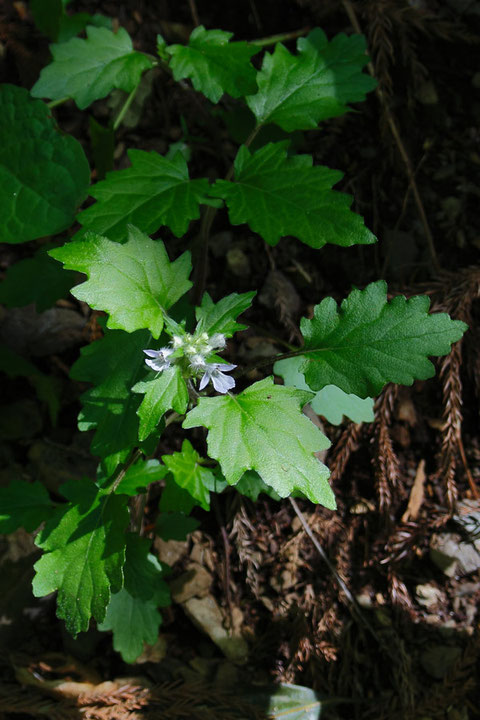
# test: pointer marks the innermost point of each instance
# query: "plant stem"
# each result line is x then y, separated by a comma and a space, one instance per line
205, 228
134, 455
272, 39
125, 107
53, 103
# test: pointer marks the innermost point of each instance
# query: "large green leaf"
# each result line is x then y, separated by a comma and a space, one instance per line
166, 392
279, 195
84, 553
44, 174
23, 504
154, 191
371, 341
215, 65
87, 70
134, 282
330, 402
298, 91
132, 614
221, 317
38, 280
139, 476
263, 429
113, 364
190, 474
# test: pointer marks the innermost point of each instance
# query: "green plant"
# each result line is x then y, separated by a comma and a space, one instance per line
160, 357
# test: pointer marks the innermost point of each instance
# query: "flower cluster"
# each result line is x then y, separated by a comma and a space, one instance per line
192, 352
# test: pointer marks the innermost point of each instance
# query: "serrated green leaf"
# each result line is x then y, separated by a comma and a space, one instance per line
279, 195
298, 91
84, 552
330, 402
153, 192
189, 473
214, 65
263, 429
175, 526
132, 613
166, 392
134, 282
139, 476
133, 622
44, 174
143, 573
23, 504
87, 70
38, 280
113, 364
371, 341
221, 317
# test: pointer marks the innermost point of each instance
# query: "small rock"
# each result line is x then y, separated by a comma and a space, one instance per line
206, 615
171, 551
453, 555
195, 582
429, 596
437, 660
238, 263
427, 93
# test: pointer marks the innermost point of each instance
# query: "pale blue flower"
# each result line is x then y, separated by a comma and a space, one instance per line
159, 361
215, 373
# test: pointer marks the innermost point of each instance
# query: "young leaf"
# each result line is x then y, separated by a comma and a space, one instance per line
251, 485
132, 613
279, 195
371, 341
113, 364
189, 473
87, 70
215, 65
330, 402
143, 573
154, 191
263, 429
165, 392
44, 174
221, 317
23, 504
298, 91
133, 622
134, 282
84, 552
139, 476
38, 280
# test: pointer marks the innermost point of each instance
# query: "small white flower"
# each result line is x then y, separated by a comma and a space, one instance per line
177, 341
217, 341
215, 373
159, 361
197, 363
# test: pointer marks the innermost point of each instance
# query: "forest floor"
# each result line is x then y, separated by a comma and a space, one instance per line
403, 640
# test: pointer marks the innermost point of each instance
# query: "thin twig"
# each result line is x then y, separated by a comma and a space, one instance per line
354, 605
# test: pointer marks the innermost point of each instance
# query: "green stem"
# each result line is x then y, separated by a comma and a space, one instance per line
132, 459
272, 39
54, 103
205, 228
119, 119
